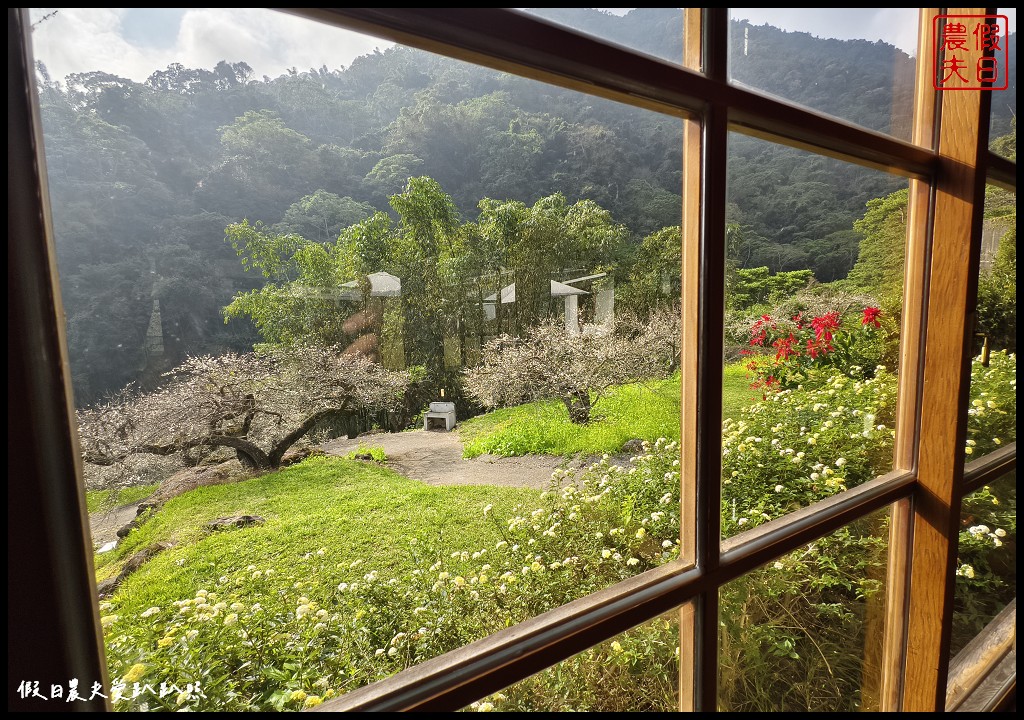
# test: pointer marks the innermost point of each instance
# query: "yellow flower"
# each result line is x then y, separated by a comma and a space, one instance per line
135, 673
297, 695
164, 641
231, 619
616, 646
312, 701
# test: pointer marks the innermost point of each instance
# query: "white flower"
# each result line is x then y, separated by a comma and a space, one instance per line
840, 462
231, 619
1000, 532
778, 565
632, 561
667, 544
779, 488
149, 613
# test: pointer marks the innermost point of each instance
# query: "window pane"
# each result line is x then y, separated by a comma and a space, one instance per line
258, 270
654, 31
813, 301
804, 633
854, 63
986, 573
1003, 133
992, 410
637, 671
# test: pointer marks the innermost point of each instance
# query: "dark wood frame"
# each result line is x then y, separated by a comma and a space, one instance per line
948, 161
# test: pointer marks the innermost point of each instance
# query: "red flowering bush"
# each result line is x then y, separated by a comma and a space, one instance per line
786, 352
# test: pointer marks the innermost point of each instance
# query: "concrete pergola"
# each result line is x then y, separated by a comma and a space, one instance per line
565, 290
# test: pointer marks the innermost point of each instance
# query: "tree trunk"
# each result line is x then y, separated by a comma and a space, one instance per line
578, 405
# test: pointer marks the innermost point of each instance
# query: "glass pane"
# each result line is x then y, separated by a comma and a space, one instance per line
804, 633
269, 281
986, 573
992, 413
813, 297
654, 31
1003, 133
637, 671
854, 63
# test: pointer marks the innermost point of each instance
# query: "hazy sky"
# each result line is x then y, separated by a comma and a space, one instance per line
135, 42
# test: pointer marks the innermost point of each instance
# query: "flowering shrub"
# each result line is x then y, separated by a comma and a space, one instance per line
788, 350
803, 444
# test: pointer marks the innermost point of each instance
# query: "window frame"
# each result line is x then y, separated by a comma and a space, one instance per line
948, 163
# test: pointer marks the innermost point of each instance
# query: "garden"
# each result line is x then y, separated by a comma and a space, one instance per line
359, 573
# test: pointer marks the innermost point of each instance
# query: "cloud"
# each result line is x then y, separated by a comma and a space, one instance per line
86, 39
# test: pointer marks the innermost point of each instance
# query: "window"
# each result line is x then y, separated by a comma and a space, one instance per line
52, 611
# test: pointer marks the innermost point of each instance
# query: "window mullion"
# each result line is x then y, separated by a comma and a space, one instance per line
945, 382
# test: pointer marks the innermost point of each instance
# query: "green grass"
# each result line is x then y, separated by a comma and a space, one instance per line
98, 500
352, 510
376, 454
644, 410
736, 392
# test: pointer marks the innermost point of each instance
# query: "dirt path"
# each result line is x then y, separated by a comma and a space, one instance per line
105, 523
435, 458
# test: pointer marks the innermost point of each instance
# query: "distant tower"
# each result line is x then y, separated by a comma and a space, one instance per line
155, 332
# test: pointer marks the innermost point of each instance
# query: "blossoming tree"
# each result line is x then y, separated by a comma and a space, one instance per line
257, 405
550, 363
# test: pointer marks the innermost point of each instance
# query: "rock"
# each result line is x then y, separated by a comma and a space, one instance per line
238, 521
125, 529
363, 456
191, 478
108, 586
633, 447
295, 456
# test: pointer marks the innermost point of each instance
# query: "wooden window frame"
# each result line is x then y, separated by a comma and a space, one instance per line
948, 164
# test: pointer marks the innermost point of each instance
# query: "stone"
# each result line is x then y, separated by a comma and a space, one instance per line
108, 586
236, 521
633, 447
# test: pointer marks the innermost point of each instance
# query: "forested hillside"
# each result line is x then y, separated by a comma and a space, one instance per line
145, 177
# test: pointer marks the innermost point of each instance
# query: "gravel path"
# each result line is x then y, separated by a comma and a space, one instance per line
435, 458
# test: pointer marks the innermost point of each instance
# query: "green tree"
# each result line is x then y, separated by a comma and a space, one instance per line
320, 217
883, 229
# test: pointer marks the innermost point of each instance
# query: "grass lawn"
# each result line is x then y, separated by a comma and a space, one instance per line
643, 410
97, 500
350, 510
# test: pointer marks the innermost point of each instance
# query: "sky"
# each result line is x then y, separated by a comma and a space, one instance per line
135, 42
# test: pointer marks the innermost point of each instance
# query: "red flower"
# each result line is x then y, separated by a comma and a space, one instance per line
785, 347
871, 315
759, 332
799, 320
824, 325
816, 349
